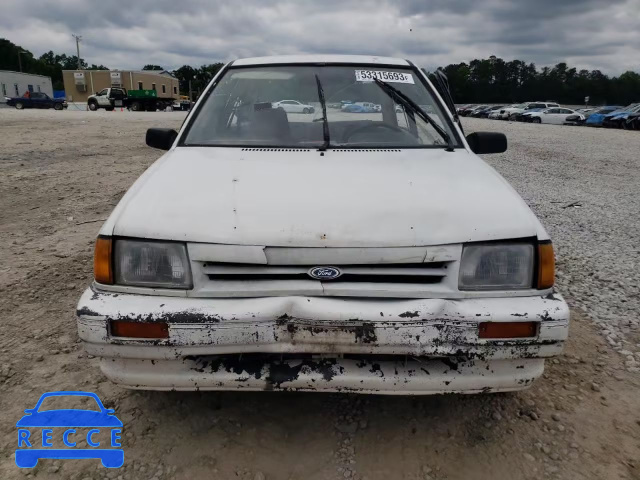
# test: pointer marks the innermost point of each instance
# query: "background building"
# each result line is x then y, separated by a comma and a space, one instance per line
79, 84
15, 84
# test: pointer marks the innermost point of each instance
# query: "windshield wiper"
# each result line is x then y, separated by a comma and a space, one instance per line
409, 104
325, 122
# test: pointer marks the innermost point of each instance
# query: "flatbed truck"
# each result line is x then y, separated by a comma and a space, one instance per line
135, 100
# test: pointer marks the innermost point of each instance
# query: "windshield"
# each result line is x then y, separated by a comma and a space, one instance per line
282, 106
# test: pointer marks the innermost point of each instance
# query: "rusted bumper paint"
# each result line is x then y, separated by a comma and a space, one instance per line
336, 375
427, 329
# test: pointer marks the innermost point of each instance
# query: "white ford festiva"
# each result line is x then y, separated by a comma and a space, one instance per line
324, 252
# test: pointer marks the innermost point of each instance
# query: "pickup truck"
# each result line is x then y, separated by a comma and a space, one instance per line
267, 250
136, 100
36, 100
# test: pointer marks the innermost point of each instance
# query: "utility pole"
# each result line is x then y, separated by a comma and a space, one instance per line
20, 52
78, 39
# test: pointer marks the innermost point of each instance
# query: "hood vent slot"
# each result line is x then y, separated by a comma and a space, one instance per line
276, 149
360, 150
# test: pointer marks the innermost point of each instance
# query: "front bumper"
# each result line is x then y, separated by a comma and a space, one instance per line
333, 337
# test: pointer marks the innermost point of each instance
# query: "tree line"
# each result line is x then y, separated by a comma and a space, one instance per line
490, 80
51, 65
48, 64
494, 80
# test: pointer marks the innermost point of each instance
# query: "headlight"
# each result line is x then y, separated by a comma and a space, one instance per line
151, 264
497, 266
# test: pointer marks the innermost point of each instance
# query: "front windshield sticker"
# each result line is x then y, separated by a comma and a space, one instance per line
391, 77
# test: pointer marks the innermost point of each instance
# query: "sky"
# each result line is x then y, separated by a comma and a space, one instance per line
591, 34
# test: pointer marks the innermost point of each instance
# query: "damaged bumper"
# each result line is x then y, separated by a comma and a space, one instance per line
322, 343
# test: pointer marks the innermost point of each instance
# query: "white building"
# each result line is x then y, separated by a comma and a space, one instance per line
15, 84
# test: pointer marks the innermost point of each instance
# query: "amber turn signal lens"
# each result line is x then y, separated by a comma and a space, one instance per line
102, 271
122, 328
546, 266
507, 329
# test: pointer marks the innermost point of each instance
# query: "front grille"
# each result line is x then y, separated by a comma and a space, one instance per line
421, 273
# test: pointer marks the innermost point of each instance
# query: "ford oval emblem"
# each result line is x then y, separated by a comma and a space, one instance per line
325, 273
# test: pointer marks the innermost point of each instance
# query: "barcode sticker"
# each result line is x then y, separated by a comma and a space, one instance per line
391, 77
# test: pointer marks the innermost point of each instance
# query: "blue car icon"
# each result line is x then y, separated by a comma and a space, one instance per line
65, 421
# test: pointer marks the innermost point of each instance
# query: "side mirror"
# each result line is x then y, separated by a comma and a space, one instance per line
161, 138
487, 142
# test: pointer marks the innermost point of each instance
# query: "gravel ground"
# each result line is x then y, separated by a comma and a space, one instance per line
63, 172
588, 198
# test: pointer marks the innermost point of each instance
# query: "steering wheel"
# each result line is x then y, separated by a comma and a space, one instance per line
374, 126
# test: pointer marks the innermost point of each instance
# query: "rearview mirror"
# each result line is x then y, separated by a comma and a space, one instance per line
487, 142
161, 138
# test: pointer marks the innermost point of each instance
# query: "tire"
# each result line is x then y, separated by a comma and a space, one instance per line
57, 106
536, 120
306, 110
19, 106
512, 117
93, 106
135, 106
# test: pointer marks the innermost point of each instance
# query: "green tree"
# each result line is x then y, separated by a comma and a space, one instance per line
152, 67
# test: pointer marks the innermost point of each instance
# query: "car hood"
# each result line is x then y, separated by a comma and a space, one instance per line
344, 198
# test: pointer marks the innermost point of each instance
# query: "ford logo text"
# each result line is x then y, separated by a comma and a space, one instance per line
325, 273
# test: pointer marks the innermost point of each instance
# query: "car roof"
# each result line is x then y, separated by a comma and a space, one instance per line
283, 59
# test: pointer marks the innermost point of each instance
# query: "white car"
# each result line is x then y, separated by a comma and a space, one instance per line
513, 112
293, 106
344, 255
503, 113
555, 116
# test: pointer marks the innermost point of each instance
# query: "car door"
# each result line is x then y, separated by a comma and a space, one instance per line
547, 116
36, 100
116, 97
47, 101
287, 106
103, 98
563, 114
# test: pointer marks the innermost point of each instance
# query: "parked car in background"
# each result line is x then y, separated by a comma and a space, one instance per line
499, 113
464, 111
582, 118
479, 111
556, 116
515, 108
361, 107
476, 110
488, 111
293, 106
231, 267
595, 118
182, 103
632, 122
524, 116
514, 111
618, 118
36, 100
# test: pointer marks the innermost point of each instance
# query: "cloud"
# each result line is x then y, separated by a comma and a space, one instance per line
602, 34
